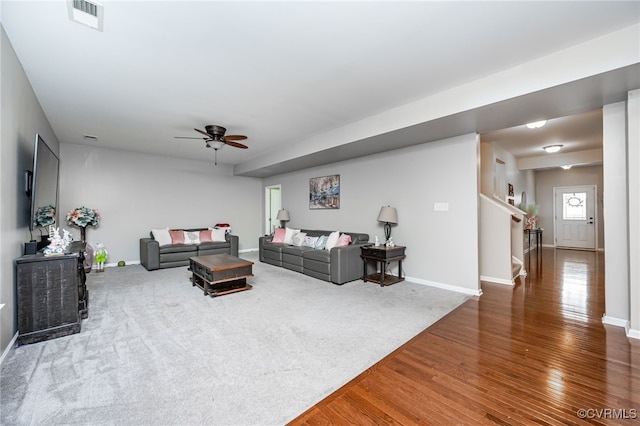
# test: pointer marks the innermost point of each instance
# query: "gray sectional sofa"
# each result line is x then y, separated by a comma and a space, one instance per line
155, 256
338, 265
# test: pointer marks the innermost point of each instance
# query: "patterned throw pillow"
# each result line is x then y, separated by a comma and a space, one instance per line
298, 239
310, 241
321, 242
192, 237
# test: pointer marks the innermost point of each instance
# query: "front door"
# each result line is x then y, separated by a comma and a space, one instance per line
575, 216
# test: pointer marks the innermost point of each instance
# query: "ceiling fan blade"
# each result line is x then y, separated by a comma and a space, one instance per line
234, 137
235, 144
190, 137
205, 133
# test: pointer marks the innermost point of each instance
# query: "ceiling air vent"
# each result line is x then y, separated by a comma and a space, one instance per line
88, 13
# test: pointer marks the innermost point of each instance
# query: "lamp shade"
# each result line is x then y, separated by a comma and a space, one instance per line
388, 215
283, 215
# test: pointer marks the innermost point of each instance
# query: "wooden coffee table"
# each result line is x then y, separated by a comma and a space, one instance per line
220, 274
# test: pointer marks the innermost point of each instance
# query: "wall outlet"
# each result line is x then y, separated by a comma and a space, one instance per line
440, 207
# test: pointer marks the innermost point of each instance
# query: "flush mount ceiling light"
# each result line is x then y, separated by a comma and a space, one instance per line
567, 167
552, 148
536, 124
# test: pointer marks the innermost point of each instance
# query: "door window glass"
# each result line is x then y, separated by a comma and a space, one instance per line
574, 206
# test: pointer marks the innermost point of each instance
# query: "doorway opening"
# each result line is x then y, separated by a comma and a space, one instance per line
273, 203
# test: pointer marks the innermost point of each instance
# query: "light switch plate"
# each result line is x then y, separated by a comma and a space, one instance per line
440, 207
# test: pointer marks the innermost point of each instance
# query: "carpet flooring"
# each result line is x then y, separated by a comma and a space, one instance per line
156, 351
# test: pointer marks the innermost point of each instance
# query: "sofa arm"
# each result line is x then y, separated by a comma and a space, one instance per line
149, 254
234, 240
346, 264
261, 243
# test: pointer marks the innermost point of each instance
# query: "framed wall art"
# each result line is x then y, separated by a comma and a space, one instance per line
324, 192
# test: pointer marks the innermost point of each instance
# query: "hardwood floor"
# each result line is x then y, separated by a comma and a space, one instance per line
536, 353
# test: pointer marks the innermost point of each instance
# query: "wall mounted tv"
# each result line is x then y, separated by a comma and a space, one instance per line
42, 184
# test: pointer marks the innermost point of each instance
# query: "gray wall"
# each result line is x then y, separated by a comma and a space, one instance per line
546, 180
136, 192
22, 117
442, 246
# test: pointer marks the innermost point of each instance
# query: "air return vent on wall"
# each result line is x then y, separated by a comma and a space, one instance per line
88, 13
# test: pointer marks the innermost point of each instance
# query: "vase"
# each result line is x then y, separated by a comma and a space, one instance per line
88, 251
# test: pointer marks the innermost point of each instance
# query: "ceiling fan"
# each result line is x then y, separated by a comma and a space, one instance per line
215, 138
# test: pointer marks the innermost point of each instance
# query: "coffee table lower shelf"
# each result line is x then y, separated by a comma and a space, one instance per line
220, 288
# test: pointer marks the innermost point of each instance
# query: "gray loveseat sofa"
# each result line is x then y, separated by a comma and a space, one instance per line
338, 265
155, 256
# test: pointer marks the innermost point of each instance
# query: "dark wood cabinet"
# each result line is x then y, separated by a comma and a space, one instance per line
51, 296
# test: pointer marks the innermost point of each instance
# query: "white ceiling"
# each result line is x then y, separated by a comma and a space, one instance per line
278, 72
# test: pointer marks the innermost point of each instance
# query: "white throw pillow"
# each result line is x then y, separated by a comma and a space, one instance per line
332, 240
298, 239
162, 236
288, 235
217, 234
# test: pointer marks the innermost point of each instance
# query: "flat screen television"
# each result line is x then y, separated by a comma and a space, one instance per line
42, 185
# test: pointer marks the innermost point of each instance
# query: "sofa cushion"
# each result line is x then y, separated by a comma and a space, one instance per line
318, 255
208, 245
162, 236
297, 251
179, 248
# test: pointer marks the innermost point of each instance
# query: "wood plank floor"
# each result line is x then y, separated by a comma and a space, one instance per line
536, 353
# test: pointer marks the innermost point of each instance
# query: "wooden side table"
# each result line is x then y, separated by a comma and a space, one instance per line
382, 256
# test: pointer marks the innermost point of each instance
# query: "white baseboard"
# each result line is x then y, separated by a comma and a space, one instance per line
496, 280
634, 334
449, 287
9, 347
248, 250
618, 322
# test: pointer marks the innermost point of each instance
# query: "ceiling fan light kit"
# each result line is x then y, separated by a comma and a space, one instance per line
215, 138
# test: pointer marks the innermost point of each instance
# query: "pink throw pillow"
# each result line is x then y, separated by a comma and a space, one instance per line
205, 236
278, 235
344, 240
177, 237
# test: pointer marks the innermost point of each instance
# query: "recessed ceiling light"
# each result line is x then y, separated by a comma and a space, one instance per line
567, 167
552, 148
536, 124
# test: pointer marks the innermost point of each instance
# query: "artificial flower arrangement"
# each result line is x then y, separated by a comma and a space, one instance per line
83, 217
45, 216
